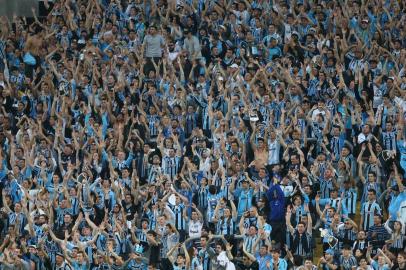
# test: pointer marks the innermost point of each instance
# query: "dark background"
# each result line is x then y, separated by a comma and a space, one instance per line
23, 8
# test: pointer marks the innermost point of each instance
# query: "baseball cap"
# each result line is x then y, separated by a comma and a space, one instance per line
275, 248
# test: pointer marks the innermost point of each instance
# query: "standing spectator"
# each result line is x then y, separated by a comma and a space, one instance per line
153, 46
139, 134
369, 210
192, 46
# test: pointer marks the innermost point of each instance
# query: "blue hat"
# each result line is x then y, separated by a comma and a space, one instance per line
330, 251
60, 254
139, 249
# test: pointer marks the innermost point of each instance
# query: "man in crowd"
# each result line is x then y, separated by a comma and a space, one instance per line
166, 124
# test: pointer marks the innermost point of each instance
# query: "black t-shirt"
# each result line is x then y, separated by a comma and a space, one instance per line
130, 210
396, 267
253, 266
154, 252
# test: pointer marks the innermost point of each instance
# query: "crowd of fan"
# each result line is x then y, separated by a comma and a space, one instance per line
193, 134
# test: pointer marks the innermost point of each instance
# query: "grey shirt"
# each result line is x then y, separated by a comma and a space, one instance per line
192, 46
23, 266
153, 45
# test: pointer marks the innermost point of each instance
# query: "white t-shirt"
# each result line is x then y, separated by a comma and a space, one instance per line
274, 150
288, 32
317, 112
362, 137
204, 164
402, 211
195, 228
224, 261
378, 96
399, 101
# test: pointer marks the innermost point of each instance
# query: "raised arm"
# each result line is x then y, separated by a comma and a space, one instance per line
360, 164
398, 179
5, 205
309, 219
187, 257
288, 223
248, 254
169, 254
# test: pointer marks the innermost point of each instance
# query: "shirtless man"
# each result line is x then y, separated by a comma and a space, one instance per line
260, 149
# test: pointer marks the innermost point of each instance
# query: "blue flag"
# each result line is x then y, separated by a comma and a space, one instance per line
394, 206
